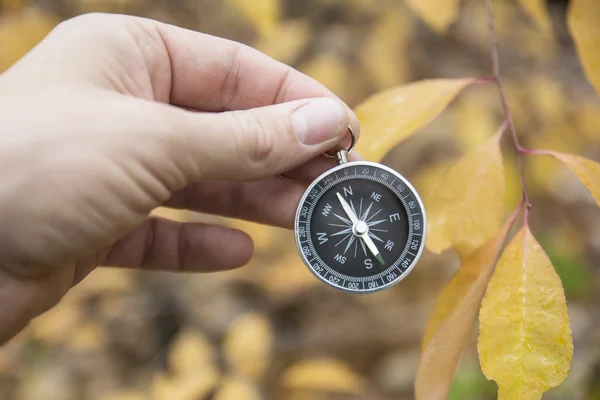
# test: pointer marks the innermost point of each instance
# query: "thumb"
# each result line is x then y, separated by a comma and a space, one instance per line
266, 141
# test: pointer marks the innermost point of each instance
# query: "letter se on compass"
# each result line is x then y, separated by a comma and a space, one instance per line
360, 227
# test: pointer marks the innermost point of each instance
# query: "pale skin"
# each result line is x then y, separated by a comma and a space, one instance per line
110, 117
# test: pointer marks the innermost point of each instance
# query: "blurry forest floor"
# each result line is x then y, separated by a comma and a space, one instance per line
271, 330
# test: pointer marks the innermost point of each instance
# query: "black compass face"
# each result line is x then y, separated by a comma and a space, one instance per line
360, 227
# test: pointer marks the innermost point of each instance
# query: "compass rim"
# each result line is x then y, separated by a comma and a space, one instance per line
405, 181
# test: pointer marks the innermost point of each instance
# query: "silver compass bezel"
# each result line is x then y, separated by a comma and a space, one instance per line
366, 164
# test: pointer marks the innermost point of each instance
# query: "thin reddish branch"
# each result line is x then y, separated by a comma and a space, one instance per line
495, 52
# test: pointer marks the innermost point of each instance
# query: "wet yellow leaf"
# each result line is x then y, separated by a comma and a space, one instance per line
21, 31
538, 12
587, 171
193, 385
237, 389
326, 374
190, 350
438, 14
525, 342
452, 319
383, 53
248, 345
390, 116
466, 208
287, 43
263, 14
583, 19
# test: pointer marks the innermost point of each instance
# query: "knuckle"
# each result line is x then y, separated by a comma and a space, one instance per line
255, 141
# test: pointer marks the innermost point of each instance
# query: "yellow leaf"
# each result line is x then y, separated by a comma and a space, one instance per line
583, 19
263, 14
391, 116
452, 319
428, 177
466, 208
525, 342
538, 12
237, 389
194, 384
587, 171
327, 375
288, 42
20, 32
438, 14
190, 350
249, 344
384, 51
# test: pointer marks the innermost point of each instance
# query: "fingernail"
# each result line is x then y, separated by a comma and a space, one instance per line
317, 121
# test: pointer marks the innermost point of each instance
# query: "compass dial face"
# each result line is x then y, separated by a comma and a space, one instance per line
360, 227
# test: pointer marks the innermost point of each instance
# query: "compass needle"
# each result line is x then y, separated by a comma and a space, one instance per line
347, 209
360, 205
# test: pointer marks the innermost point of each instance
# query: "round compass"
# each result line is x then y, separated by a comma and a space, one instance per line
360, 227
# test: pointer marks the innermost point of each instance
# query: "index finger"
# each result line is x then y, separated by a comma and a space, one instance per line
214, 74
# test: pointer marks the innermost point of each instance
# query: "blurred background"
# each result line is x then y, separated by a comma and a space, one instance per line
271, 330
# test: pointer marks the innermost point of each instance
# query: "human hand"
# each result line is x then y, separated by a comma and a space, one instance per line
112, 116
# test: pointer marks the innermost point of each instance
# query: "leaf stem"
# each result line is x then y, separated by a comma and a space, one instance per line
495, 53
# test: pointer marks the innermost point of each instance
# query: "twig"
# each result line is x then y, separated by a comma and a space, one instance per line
495, 52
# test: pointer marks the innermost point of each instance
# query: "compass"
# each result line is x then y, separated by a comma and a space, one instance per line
361, 226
